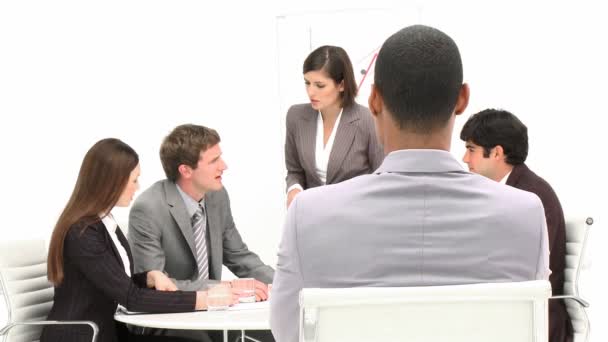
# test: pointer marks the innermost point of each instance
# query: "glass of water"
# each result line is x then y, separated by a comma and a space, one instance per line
219, 297
246, 286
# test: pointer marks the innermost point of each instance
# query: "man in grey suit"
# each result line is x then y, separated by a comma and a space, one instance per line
183, 225
420, 219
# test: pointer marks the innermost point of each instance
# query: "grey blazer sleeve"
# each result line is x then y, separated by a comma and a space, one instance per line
295, 172
288, 281
237, 257
145, 241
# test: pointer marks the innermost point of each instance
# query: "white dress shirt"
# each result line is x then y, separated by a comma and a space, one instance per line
111, 226
322, 151
504, 179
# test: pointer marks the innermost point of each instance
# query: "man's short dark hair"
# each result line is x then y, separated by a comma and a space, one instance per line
183, 146
419, 76
492, 127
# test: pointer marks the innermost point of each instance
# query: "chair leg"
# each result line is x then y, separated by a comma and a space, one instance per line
244, 337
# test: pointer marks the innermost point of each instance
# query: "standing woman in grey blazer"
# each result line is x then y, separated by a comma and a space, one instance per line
331, 138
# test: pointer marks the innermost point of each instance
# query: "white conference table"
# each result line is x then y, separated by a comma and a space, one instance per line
246, 316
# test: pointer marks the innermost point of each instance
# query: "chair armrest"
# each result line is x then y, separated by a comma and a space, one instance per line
579, 300
93, 326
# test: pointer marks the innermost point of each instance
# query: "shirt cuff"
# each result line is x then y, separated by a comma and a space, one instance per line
295, 186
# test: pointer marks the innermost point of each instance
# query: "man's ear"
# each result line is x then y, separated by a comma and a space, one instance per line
184, 170
375, 102
499, 152
463, 99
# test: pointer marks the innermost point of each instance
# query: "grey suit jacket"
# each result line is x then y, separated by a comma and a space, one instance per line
419, 220
355, 152
161, 238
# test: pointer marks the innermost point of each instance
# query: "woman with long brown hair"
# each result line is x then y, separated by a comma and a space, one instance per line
89, 259
332, 138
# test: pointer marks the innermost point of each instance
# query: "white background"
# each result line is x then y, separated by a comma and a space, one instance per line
73, 72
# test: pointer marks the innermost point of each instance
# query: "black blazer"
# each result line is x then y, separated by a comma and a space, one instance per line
95, 283
523, 178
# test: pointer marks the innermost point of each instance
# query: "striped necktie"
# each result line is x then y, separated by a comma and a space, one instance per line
199, 227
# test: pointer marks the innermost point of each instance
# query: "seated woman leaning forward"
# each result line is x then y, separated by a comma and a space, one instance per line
89, 259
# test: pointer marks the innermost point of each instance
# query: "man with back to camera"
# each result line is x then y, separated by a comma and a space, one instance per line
417, 217
497, 147
183, 225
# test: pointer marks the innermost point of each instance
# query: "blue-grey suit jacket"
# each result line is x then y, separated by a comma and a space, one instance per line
419, 220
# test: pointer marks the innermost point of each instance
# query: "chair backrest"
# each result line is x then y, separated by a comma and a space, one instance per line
473, 313
577, 231
27, 292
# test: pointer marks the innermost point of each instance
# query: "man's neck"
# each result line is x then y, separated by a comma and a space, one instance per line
190, 190
396, 138
400, 140
416, 141
502, 171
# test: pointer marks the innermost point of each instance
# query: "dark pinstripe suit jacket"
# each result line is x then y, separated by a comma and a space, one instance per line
525, 179
355, 152
95, 283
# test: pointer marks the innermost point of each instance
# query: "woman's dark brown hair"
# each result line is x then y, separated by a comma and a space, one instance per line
103, 175
334, 61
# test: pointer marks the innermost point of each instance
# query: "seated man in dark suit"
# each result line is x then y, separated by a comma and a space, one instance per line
497, 147
183, 225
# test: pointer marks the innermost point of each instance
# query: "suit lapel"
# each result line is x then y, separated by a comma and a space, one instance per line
308, 142
345, 135
125, 244
214, 236
178, 210
114, 248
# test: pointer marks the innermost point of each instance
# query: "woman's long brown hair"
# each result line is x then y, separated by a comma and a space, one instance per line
103, 175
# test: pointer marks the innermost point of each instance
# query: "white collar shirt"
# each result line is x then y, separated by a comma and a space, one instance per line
322, 152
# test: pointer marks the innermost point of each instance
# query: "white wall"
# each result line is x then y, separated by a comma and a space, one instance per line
73, 72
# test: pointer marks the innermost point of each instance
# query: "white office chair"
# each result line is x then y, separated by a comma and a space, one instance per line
577, 231
27, 292
498, 312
